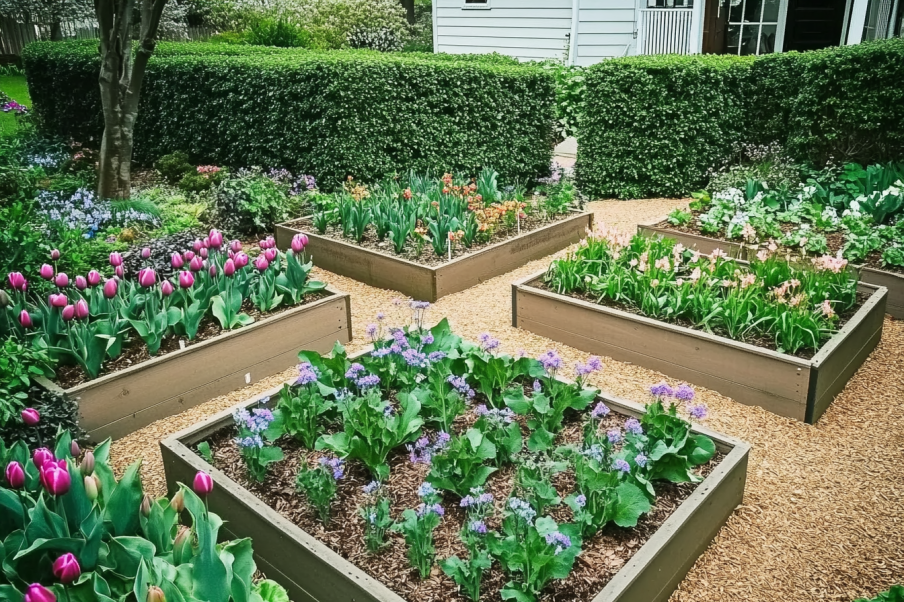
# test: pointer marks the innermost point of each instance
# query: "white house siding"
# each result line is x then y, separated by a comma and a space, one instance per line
605, 30
526, 29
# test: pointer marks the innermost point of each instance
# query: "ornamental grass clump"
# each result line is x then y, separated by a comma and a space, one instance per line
789, 302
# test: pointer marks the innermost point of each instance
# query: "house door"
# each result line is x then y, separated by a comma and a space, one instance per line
715, 23
814, 24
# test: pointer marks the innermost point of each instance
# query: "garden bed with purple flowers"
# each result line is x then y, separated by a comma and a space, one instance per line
431, 468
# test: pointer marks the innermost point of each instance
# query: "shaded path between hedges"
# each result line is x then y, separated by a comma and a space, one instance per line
822, 518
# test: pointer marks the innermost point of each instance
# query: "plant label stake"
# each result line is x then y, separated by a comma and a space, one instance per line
181, 343
449, 247
518, 218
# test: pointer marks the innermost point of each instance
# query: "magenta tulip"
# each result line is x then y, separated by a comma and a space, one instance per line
205, 244
25, 319
66, 568
203, 484
58, 300
261, 263
61, 280
216, 239
299, 242
271, 254
115, 259
196, 265
147, 277
268, 243
74, 449
55, 477
81, 283
93, 278
41, 456
197, 246
119, 271
203, 252
241, 260
38, 593
235, 246
31, 416
17, 281
167, 288
47, 271
81, 309
55, 254
146, 253
110, 287
229, 267
176, 261
186, 280
188, 255
15, 475
68, 313
212, 271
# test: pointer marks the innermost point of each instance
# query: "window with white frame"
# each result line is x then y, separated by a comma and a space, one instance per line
880, 19
670, 3
755, 26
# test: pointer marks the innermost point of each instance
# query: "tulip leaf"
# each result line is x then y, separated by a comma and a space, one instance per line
44, 523
102, 452
127, 554
209, 574
8, 592
121, 511
92, 528
63, 443
59, 544
242, 568
141, 581
12, 512
76, 502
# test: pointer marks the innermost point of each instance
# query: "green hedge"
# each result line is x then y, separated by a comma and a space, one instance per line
654, 125
332, 114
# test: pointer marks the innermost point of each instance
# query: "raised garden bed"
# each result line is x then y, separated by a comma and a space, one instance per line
312, 571
781, 383
119, 403
893, 281
428, 283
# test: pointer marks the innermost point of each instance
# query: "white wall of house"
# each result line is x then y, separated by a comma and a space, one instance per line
605, 30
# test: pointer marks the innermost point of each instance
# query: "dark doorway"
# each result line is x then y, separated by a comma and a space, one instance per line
715, 22
814, 24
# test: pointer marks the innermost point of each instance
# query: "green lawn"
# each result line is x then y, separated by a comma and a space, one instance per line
15, 88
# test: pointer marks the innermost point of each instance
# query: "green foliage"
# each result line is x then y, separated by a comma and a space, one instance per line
303, 411
58, 413
173, 166
19, 365
334, 114
460, 467
250, 202
277, 32
895, 594
679, 217
318, 485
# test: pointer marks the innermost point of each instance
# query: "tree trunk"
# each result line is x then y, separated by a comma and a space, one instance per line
56, 31
409, 10
115, 176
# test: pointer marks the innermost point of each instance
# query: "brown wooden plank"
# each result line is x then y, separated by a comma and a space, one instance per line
704, 244
894, 305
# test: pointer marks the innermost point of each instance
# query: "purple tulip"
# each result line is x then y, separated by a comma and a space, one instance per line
58, 300
271, 254
261, 263
15, 475
228, 267
81, 283
176, 261
68, 313
203, 253
115, 259
235, 246
74, 449
66, 568
41, 456
203, 484
38, 593
299, 242
25, 319
146, 253
31, 416
188, 255
87, 465
93, 278
17, 281
167, 288
61, 280
240, 260
47, 271
110, 288
197, 246
81, 309
119, 271
186, 280
55, 478
212, 271
216, 239
147, 277
55, 254
196, 264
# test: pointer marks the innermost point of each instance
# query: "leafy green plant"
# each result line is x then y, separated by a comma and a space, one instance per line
318, 484
895, 594
679, 217
468, 573
174, 166
376, 516
417, 525
461, 466
499, 427
19, 365
303, 408
278, 32
256, 428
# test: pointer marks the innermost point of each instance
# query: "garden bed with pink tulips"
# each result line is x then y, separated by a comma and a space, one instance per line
133, 351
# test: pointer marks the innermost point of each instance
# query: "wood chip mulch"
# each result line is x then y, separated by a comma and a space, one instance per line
822, 517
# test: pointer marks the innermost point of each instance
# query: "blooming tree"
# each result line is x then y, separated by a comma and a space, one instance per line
48, 12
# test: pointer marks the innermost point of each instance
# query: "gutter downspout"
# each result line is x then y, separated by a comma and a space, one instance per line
573, 42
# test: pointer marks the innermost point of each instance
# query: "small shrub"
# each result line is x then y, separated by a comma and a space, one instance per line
203, 178
277, 32
250, 203
173, 166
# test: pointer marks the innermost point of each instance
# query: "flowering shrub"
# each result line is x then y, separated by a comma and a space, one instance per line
252, 201
83, 211
796, 305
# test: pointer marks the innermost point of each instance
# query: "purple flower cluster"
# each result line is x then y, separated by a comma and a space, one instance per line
662, 390
632, 425
594, 452
368, 380
580, 501
478, 497
599, 411
425, 509
83, 211
246, 442
461, 385
334, 464
487, 342
306, 374
353, 371
538, 386
614, 436
640, 460
257, 420
371, 487
415, 358
621, 465
561, 541
495, 417
425, 490
697, 411
371, 331
684, 392
13, 106
550, 361
478, 526
423, 450
436, 356
593, 364
522, 510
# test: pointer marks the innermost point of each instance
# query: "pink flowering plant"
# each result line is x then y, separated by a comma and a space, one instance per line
794, 302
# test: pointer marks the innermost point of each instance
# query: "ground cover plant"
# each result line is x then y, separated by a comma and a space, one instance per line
793, 306
426, 218
396, 451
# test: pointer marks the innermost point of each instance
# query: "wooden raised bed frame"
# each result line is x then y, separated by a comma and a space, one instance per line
890, 280
120, 403
426, 283
312, 572
784, 384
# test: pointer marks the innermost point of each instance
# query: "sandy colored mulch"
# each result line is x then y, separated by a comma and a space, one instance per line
822, 518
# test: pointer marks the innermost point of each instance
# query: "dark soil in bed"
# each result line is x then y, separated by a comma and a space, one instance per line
602, 555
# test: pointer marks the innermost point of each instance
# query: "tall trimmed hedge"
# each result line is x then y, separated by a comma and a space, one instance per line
654, 125
333, 114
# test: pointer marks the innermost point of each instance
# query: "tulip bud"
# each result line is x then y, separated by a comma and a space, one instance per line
31, 416
212, 271
261, 263
197, 246
186, 280
41, 456
176, 261
146, 253
110, 287
58, 300
87, 465
181, 535
216, 239
25, 319
93, 278
74, 449
80, 283
17, 281
178, 501
240, 260
119, 271
15, 475
235, 246
271, 254
91, 488
46, 271
55, 254
38, 593
203, 484
203, 253
155, 594
268, 243
55, 478
61, 280
66, 568
68, 313
115, 259
196, 265
147, 277
229, 267
145, 507
167, 288
188, 255
4, 300
81, 309
299, 242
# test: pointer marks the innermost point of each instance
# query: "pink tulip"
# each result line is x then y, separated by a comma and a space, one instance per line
268, 243
81, 283
216, 239
61, 280
81, 309
38, 593
115, 259
55, 254
58, 300
212, 271
46, 271
196, 264
25, 319
205, 244
203, 252
15, 475
229, 267
110, 287
146, 253
93, 278
197, 246
41, 456
176, 261
186, 280
261, 263
119, 271
17, 281
203, 484
299, 242
188, 255
271, 254
147, 277
235, 246
66, 568
68, 313
31, 416
55, 477
145, 507
241, 260
167, 288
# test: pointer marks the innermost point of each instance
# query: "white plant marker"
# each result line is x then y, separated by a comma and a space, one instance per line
181, 343
449, 247
518, 217
247, 378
